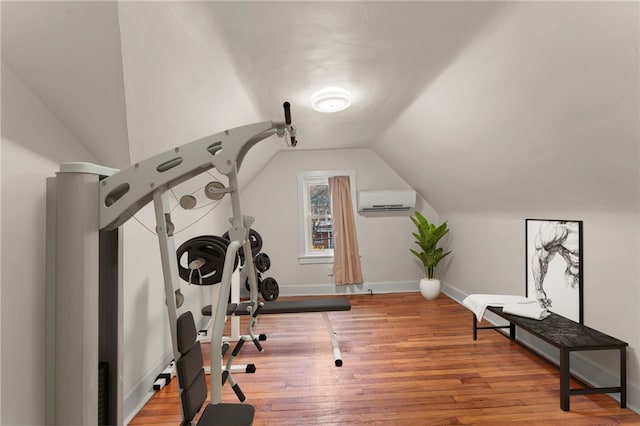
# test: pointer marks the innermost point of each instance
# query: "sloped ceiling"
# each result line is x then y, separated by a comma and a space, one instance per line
68, 55
477, 105
383, 52
539, 114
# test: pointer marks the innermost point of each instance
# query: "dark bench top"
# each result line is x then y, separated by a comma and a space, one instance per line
289, 306
562, 332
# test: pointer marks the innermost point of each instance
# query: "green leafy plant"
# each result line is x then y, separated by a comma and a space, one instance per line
427, 239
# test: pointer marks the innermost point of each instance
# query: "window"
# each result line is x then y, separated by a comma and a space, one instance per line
314, 205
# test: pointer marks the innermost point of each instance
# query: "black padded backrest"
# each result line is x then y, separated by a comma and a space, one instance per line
189, 366
187, 334
194, 396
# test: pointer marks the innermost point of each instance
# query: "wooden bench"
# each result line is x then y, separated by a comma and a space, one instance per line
568, 336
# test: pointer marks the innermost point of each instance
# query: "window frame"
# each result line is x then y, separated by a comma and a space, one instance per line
304, 178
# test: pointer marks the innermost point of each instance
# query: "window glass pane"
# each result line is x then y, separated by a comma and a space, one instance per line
320, 200
321, 233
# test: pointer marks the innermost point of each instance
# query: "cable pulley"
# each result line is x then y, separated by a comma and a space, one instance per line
214, 190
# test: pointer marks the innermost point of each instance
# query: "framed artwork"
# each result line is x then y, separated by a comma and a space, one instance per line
553, 250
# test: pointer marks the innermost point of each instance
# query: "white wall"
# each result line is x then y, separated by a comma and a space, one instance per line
384, 239
1, 215
538, 117
33, 144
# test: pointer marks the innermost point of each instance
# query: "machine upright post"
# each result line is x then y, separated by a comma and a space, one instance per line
169, 263
218, 323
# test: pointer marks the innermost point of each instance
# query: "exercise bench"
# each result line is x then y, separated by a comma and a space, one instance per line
568, 336
296, 307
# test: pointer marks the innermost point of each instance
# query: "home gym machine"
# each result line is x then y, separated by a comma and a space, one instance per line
86, 205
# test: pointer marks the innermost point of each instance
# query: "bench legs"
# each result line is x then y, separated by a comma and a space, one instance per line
511, 327
565, 370
566, 392
564, 379
337, 355
623, 377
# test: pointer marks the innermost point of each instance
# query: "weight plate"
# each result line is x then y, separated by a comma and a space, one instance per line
262, 262
211, 250
247, 284
269, 289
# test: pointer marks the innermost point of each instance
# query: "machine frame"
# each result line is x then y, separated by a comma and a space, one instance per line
86, 206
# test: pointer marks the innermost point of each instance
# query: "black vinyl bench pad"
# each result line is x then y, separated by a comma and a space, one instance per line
568, 336
289, 306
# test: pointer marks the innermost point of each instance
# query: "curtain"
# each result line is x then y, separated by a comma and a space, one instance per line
346, 255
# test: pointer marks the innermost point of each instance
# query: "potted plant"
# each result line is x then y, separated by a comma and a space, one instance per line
430, 254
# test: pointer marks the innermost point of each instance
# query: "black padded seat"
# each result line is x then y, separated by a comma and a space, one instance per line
193, 383
228, 414
289, 306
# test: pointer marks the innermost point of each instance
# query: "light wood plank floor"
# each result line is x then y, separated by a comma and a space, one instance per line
407, 361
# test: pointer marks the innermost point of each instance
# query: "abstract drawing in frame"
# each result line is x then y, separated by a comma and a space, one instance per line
553, 250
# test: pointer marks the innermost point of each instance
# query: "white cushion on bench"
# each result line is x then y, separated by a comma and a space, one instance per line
529, 309
477, 303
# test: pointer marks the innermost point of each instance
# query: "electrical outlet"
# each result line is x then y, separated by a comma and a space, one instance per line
330, 271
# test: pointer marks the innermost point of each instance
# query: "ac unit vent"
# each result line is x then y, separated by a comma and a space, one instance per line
386, 200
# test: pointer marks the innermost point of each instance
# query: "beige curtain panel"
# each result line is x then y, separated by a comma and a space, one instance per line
346, 254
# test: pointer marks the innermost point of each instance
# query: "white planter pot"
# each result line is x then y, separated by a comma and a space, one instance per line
430, 289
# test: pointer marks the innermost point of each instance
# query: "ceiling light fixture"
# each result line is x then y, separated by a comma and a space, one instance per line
331, 99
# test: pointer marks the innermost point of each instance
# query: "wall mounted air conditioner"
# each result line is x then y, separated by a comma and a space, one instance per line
388, 200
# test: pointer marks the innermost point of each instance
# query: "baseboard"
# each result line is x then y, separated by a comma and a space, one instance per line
581, 367
366, 288
135, 399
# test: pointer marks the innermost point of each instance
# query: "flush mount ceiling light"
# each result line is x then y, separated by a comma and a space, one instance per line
331, 99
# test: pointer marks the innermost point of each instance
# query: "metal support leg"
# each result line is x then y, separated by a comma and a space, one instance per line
475, 327
217, 331
564, 379
226, 374
173, 296
623, 377
169, 263
337, 356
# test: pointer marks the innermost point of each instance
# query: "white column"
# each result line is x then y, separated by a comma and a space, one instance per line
76, 299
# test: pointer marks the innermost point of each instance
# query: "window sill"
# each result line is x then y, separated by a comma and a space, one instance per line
309, 260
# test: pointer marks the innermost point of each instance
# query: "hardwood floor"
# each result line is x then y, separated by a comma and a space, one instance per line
407, 361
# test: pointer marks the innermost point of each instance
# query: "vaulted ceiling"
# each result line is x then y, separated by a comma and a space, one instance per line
478, 105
